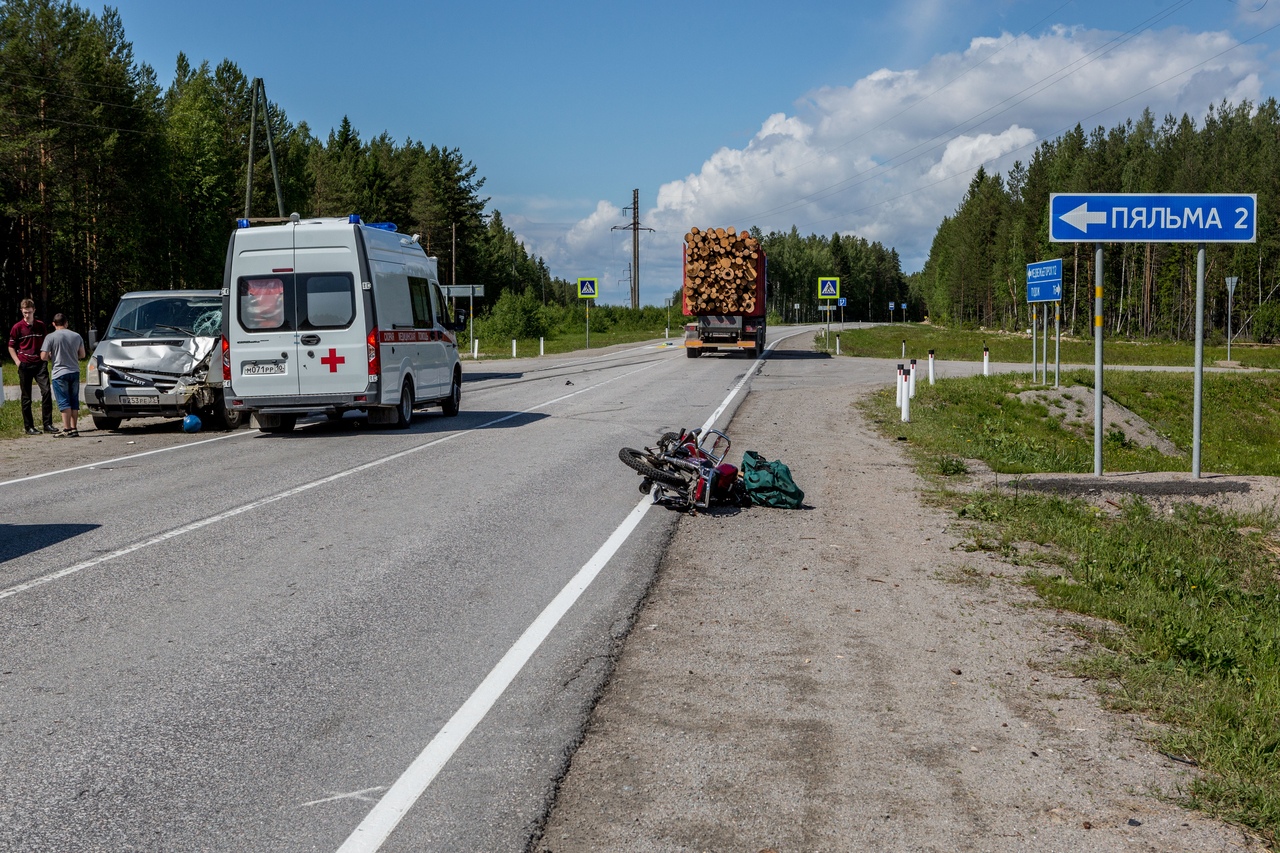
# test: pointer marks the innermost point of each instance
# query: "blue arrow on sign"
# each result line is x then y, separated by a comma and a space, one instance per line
1044, 281
1153, 218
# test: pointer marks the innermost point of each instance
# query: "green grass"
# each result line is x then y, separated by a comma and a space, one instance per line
1188, 599
568, 343
960, 345
11, 409
980, 418
1192, 610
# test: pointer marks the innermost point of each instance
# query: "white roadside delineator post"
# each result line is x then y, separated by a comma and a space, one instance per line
911, 384
930, 367
906, 398
542, 347
513, 347
475, 348
897, 399
986, 361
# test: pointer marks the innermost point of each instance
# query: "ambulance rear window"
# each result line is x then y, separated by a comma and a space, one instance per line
328, 300
261, 304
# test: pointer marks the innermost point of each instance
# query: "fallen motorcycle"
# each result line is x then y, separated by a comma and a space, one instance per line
686, 470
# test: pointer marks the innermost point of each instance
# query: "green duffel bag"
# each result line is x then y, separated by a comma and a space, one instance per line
769, 483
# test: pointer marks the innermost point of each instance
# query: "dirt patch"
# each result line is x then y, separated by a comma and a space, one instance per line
1075, 406
846, 677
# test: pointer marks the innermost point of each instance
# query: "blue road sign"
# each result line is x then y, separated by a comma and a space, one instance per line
586, 288
828, 288
1156, 218
891, 306
1044, 281
842, 302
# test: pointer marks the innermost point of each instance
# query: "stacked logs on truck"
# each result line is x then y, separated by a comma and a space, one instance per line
720, 271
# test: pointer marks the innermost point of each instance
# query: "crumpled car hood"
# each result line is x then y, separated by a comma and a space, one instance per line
175, 356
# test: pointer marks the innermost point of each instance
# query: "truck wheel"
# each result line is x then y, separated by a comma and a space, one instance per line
105, 423
692, 352
451, 404
404, 412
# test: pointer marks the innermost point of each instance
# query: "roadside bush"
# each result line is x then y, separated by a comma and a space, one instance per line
515, 316
1266, 323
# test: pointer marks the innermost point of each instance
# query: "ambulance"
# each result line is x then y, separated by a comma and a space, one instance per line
331, 316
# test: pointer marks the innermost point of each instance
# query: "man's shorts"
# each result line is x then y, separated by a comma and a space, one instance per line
66, 390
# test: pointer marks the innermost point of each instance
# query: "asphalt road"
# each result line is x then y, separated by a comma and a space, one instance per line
246, 644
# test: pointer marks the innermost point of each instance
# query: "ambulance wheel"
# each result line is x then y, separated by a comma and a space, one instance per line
453, 402
106, 423
223, 418
404, 412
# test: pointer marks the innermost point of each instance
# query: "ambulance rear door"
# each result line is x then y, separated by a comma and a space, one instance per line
328, 302
262, 329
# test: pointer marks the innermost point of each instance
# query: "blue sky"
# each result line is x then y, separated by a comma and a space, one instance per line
862, 118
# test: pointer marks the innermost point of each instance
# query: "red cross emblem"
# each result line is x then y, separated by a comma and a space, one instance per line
333, 360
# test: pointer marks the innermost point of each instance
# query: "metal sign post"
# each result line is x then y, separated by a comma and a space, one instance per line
1157, 218
588, 288
828, 288
1044, 284
1231, 297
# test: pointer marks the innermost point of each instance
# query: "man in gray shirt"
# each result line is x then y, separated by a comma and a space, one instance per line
64, 348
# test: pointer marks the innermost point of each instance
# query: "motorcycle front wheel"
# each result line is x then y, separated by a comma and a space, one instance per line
645, 466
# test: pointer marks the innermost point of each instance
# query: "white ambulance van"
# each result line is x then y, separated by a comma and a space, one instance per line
334, 315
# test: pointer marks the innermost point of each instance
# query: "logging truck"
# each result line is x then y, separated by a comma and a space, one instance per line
725, 289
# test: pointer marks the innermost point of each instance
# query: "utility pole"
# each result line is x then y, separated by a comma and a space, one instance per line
259, 93
635, 228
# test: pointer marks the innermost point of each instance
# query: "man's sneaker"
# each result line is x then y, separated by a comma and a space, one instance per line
32, 431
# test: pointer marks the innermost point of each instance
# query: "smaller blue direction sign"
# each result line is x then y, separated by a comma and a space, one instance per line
587, 288
842, 302
1157, 218
828, 288
892, 306
1044, 281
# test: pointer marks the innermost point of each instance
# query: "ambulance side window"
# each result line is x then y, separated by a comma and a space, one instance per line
329, 300
418, 288
261, 304
437, 304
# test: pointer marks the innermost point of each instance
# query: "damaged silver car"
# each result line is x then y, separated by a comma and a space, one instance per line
156, 358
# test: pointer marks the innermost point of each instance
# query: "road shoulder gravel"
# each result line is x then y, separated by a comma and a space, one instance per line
844, 677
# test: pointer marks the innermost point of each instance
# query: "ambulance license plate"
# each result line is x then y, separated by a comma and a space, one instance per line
274, 368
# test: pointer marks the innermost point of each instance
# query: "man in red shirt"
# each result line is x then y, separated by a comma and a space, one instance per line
25, 340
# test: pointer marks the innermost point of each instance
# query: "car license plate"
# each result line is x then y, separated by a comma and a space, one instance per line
138, 401
274, 368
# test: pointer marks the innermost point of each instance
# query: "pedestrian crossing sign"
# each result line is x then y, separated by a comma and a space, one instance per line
828, 288
587, 288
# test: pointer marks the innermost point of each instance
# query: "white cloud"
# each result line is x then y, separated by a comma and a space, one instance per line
889, 155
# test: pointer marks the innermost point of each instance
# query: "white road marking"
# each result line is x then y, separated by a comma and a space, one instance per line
288, 493
106, 462
362, 795
378, 825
